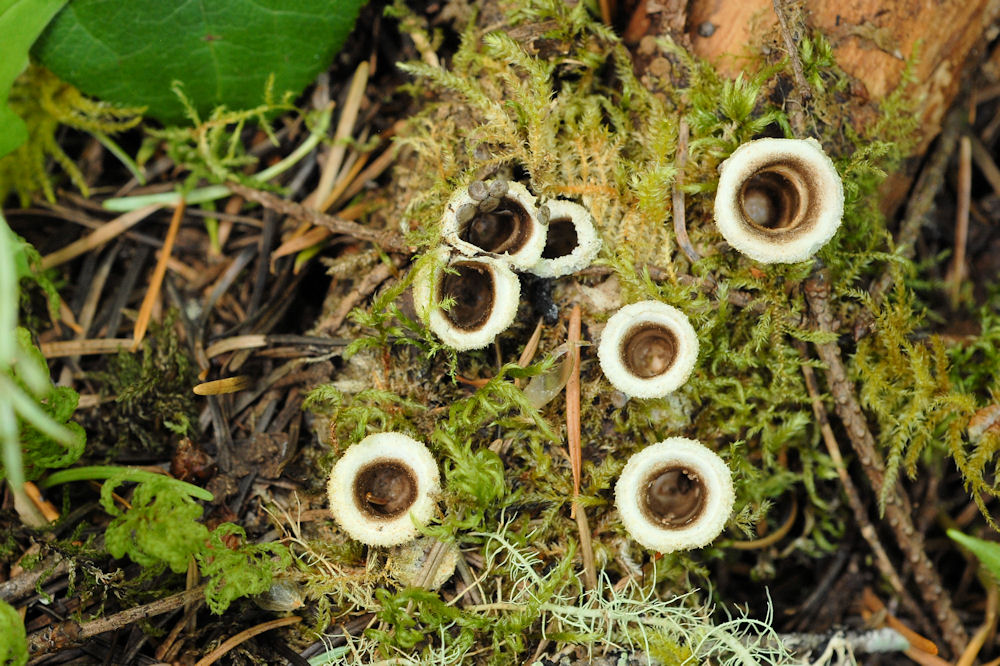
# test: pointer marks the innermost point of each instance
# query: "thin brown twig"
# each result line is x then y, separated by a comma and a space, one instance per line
680, 222
801, 93
868, 532
957, 273
361, 291
156, 281
245, 635
921, 203
69, 633
388, 240
897, 506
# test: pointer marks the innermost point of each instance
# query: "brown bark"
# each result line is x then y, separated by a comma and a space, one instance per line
871, 39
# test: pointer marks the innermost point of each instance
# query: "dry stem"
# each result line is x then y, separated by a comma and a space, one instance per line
388, 240
897, 508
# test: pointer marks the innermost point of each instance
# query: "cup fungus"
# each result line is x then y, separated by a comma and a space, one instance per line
674, 495
648, 349
483, 292
779, 200
382, 486
496, 218
571, 242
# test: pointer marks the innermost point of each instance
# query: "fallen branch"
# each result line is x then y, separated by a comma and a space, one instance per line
388, 240
69, 633
897, 506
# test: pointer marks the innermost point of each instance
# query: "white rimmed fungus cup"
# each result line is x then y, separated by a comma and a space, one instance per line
779, 200
496, 218
571, 242
484, 292
675, 495
648, 349
382, 486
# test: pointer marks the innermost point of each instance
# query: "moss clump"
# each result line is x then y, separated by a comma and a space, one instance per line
150, 393
45, 103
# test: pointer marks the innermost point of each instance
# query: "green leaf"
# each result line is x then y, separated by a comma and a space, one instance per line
13, 643
20, 23
988, 552
223, 53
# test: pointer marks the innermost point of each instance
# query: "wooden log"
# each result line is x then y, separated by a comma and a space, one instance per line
871, 40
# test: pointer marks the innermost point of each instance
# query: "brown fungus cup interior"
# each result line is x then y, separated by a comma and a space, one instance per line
776, 198
561, 238
473, 292
649, 350
672, 496
506, 228
385, 489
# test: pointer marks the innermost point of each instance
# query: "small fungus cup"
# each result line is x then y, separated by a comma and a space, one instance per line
779, 200
382, 486
675, 495
483, 293
496, 218
571, 242
648, 349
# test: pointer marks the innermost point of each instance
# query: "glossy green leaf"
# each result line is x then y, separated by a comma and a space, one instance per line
20, 23
223, 52
988, 552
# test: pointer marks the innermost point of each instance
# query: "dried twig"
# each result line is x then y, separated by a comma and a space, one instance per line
102, 235
897, 508
801, 93
245, 635
69, 633
387, 239
361, 291
882, 560
957, 272
680, 222
921, 202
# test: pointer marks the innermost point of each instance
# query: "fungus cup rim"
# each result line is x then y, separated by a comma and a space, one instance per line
524, 258
384, 447
624, 321
506, 298
716, 479
588, 242
822, 186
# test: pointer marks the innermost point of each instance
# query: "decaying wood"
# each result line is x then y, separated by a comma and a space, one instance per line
871, 40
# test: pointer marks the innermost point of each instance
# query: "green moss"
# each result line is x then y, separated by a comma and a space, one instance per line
574, 121
150, 391
45, 103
